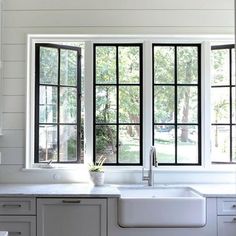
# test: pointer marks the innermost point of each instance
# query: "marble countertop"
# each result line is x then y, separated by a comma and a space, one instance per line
3, 233
57, 190
215, 190
108, 191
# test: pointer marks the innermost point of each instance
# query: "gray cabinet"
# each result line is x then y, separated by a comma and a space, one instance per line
226, 219
17, 216
71, 217
18, 225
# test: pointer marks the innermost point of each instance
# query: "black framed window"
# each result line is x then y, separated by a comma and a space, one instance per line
57, 103
177, 103
223, 140
118, 103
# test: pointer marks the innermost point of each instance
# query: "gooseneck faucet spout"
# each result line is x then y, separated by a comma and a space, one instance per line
152, 159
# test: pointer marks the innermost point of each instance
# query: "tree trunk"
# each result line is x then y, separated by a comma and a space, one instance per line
106, 117
184, 128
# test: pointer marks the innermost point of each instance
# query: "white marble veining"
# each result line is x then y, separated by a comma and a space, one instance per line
55, 190
88, 190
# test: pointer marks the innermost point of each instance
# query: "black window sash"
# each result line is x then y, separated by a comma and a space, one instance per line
37, 93
117, 85
231, 123
176, 85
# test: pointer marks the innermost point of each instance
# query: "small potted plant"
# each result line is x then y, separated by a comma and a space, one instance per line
96, 172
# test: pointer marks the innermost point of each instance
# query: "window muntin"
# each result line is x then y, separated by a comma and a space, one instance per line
57, 104
118, 103
223, 148
176, 103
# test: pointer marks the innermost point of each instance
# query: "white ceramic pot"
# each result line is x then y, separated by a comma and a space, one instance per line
97, 178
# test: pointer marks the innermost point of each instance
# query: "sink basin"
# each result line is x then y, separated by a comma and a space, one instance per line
161, 207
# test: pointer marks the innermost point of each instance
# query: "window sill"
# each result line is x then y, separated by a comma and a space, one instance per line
164, 169
134, 169
54, 167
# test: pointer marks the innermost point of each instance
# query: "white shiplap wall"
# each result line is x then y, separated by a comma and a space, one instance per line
21, 17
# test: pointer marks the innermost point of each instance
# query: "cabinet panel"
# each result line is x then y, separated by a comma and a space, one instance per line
71, 217
226, 206
17, 206
18, 225
226, 225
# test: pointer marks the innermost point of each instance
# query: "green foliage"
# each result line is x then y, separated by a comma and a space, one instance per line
98, 166
48, 65
105, 137
106, 97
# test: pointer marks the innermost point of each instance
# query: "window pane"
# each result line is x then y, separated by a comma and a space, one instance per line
220, 143
68, 144
187, 65
187, 104
233, 105
129, 65
106, 142
105, 64
187, 149
68, 105
47, 104
164, 104
48, 65
164, 65
47, 143
106, 104
129, 104
220, 105
68, 67
220, 67
164, 140
233, 143
233, 66
129, 143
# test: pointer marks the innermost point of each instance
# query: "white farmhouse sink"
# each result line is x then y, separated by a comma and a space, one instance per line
161, 207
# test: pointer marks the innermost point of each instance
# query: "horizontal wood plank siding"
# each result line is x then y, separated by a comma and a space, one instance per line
14, 69
22, 17
12, 139
13, 104
119, 18
15, 36
14, 86
12, 156
14, 121
115, 4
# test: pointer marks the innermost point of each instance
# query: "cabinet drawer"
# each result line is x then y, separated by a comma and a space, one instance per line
17, 206
226, 225
226, 206
18, 225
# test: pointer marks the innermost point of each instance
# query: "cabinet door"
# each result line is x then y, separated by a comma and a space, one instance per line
18, 225
226, 225
71, 217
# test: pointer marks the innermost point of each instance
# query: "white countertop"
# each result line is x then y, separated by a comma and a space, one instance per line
215, 190
55, 190
3, 233
88, 190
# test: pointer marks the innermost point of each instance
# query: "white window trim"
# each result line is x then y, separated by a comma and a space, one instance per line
147, 89
1, 69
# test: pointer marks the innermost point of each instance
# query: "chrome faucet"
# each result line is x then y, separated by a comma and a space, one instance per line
152, 158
